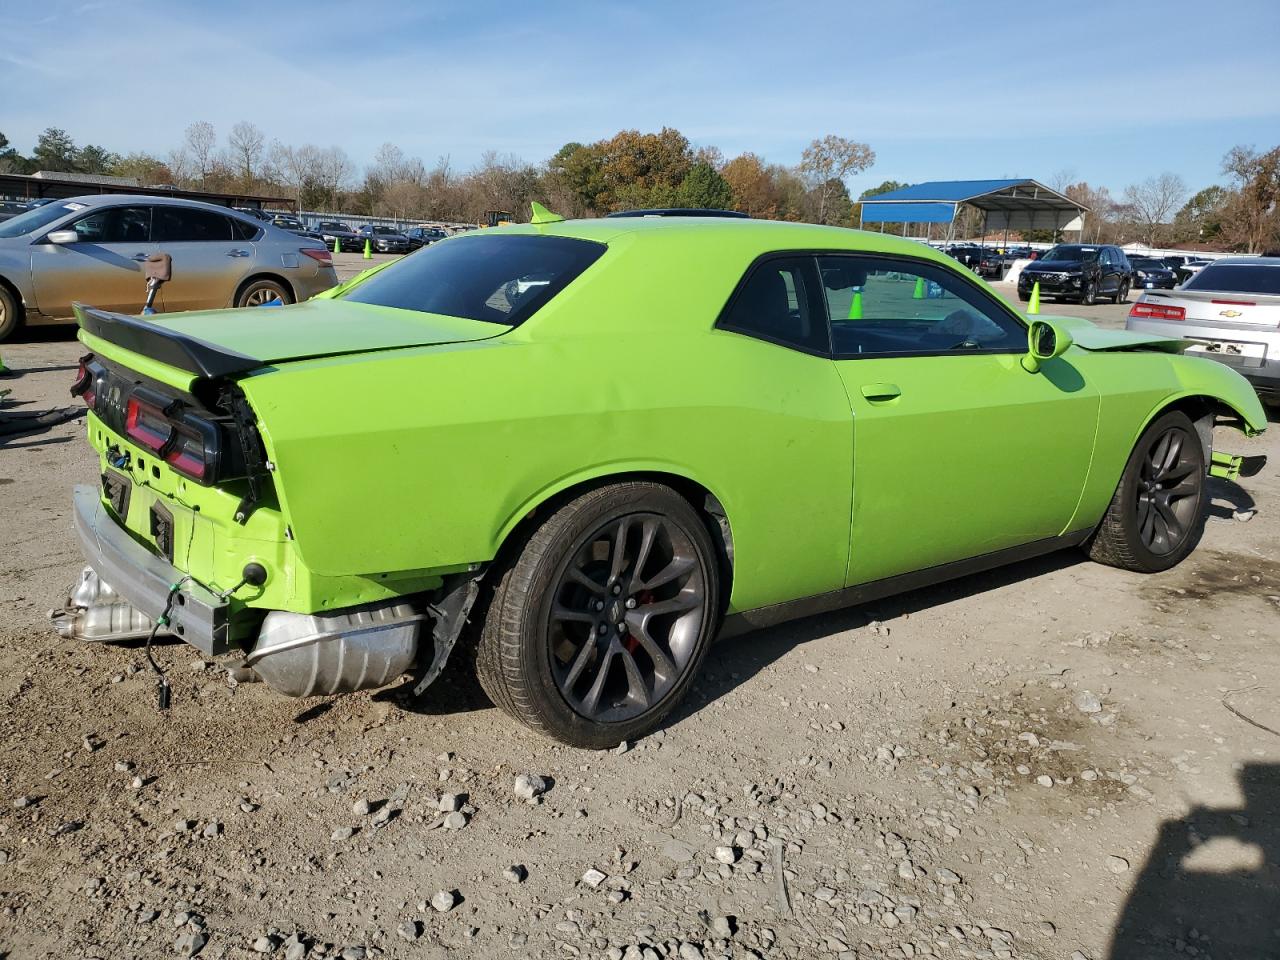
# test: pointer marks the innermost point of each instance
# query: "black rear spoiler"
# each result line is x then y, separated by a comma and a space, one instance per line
178, 350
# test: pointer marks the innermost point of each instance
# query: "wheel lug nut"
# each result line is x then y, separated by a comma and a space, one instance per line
604, 628
597, 605
631, 603
617, 588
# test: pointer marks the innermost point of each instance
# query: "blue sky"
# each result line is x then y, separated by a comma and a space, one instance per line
1106, 92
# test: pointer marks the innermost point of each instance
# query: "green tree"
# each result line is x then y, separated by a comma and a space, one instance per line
11, 161
55, 151
704, 188
1201, 217
1252, 217
92, 158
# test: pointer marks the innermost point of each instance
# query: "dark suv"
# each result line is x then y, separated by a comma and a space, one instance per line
1079, 271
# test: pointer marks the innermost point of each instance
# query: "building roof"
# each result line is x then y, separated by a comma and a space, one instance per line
1008, 204
59, 186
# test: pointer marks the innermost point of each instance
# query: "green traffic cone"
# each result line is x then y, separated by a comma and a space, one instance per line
3, 368
918, 293
1034, 307
368, 250
855, 306
337, 245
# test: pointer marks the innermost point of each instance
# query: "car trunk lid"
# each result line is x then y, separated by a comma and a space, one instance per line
229, 343
1221, 307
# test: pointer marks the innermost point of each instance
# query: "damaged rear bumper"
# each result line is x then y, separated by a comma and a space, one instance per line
130, 575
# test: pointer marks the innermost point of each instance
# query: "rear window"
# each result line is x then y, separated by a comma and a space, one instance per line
1237, 278
499, 278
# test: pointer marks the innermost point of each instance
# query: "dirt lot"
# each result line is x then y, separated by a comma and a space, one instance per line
1049, 761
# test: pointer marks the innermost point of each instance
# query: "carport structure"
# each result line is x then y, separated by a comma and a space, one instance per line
1005, 204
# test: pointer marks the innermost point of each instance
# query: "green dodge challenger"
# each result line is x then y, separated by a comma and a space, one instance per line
578, 450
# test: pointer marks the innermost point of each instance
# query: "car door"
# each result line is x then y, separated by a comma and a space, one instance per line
210, 257
102, 268
958, 450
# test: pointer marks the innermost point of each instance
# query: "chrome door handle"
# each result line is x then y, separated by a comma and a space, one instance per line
881, 391
238, 253
140, 257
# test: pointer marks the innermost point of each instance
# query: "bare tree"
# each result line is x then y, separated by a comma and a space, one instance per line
200, 140
247, 147
1252, 217
827, 162
1154, 202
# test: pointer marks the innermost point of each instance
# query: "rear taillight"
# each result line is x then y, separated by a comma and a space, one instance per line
83, 387
323, 255
1235, 303
1143, 310
188, 444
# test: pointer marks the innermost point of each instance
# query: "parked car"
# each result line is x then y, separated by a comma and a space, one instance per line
424, 236
1077, 271
1174, 262
1152, 274
93, 248
384, 239
968, 254
11, 208
433, 444
294, 226
1191, 267
1230, 311
348, 239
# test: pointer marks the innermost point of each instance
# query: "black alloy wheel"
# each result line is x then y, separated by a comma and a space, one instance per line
1168, 490
624, 622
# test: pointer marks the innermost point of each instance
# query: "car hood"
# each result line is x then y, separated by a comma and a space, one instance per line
1090, 336
213, 343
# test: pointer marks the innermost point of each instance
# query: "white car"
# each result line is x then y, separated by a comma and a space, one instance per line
1230, 311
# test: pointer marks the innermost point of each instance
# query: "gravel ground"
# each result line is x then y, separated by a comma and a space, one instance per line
1053, 760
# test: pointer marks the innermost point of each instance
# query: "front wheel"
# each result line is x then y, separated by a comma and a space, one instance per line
1088, 293
258, 292
595, 631
1157, 514
1122, 292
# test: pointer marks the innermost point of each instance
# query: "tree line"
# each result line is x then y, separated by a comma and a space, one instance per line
633, 169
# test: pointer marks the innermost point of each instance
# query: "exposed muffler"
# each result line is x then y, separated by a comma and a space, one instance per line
296, 654
311, 656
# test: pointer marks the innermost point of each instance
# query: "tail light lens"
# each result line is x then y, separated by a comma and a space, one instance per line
84, 385
1143, 310
1235, 303
187, 443
322, 254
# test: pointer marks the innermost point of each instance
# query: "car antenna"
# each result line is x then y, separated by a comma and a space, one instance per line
542, 215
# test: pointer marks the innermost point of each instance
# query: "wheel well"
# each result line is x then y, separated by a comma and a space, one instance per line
265, 276
703, 501
13, 292
1203, 411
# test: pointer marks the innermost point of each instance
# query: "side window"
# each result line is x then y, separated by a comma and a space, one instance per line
115, 225
780, 301
243, 229
187, 224
903, 307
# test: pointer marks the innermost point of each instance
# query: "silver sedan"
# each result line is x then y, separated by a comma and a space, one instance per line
93, 248
1230, 312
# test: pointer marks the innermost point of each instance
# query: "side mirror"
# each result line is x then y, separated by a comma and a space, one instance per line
1045, 340
62, 236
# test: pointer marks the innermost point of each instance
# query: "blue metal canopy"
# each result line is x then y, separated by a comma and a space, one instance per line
1006, 204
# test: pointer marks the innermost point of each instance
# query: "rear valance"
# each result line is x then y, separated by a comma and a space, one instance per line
178, 350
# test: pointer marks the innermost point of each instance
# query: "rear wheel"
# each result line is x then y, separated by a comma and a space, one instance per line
1157, 514
257, 292
10, 318
595, 631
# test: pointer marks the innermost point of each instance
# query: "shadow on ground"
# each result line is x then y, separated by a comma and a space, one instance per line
1211, 887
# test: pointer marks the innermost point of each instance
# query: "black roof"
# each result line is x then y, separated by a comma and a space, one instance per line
680, 212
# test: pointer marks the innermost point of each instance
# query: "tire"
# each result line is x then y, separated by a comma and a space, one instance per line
10, 315
263, 290
1088, 293
1122, 292
1136, 533
1024, 297
557, 645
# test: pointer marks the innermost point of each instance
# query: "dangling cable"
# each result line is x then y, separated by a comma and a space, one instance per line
163, 692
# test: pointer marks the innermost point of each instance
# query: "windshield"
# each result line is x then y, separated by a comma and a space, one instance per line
1237, 278
1145, 263
499, 278
1071, 251
386, 231
33, 220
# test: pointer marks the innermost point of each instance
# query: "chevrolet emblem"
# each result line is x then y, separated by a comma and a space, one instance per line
1229, 313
